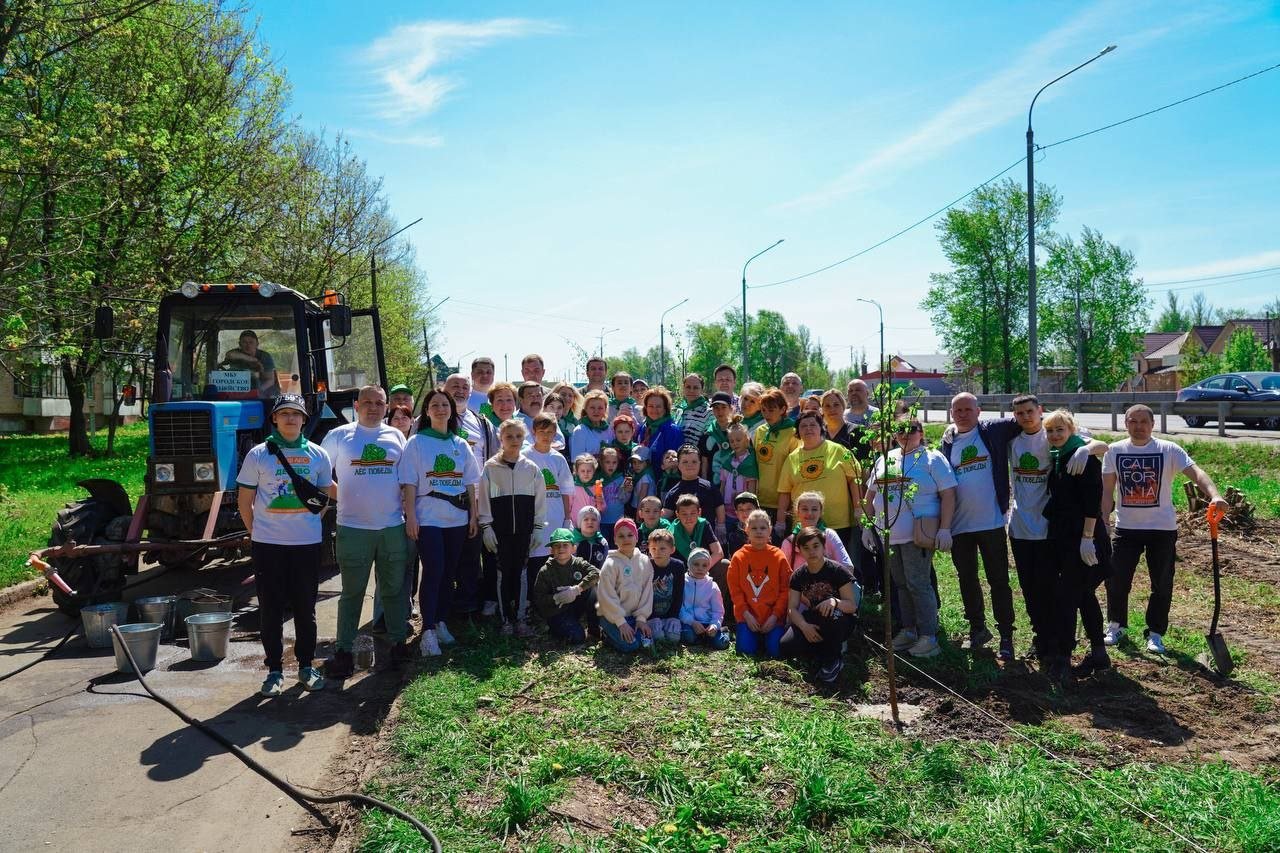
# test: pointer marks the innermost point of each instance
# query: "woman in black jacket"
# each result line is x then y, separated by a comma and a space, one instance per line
1082, 548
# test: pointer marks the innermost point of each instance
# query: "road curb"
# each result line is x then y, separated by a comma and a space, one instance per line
23, 591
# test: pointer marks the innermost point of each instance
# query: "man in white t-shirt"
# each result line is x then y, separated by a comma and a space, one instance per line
482, 371
1144, 469
1028, 528
370, 526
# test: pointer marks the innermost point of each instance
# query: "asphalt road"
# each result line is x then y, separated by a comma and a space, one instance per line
88, 763
1177, 428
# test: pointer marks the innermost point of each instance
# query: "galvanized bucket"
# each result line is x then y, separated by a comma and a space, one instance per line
202, 601
158, 608
143, 639
207, 635
97, 620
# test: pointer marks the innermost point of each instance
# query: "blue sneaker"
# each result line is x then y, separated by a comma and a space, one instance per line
311, 678
274, 685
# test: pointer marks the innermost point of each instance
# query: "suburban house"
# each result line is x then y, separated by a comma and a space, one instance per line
1158, 366
929, 372
40, 405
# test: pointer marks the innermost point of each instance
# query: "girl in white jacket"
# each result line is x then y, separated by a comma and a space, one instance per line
624, 596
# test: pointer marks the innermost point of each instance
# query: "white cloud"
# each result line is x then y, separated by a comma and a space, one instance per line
1224, 266
406, 61
414, 140
1002, 97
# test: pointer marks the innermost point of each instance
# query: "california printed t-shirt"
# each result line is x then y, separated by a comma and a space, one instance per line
559, 482
928, 471
438, 463
279, 518
1144, 482
976, 505
364, 466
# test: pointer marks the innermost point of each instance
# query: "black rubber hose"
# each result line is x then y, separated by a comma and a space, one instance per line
301, 797
43, 657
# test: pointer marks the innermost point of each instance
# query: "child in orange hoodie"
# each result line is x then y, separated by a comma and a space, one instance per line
758, 578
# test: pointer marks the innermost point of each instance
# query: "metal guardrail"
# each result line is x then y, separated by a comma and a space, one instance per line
1162, 403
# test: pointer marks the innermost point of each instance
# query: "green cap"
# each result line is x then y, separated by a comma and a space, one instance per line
561, 534
400, 389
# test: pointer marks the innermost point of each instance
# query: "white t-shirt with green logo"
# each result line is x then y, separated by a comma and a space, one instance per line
559, 481
443, 465
364, 466
279, 518
1029, 466
977, 508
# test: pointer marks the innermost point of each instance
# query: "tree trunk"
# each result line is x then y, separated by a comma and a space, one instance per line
77, 430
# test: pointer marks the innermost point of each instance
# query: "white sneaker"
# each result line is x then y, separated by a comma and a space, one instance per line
1113, 634
430, 646
490, 609
904, 639
925, 647
1155, 643
443, 635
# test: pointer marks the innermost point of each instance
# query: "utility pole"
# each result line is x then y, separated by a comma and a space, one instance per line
1080, 348
662, 342
746, 359
603, 332
506, 369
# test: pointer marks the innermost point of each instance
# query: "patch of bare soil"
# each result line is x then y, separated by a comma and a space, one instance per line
592, 810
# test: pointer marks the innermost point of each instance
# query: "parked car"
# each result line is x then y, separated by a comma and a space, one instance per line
1251, 386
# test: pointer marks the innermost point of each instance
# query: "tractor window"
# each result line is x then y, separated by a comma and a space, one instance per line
355, 362
220, 350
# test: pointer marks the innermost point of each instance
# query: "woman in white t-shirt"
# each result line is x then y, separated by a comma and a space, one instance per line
916, 483
438, 476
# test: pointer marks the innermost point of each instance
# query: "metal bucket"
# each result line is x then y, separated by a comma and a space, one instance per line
143, 639
207, 635
97, 620
158, 608
202, 601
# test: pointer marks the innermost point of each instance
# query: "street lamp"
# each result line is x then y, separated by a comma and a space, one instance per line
746, 367
662, 341
1033, 377
883, 402
603, 332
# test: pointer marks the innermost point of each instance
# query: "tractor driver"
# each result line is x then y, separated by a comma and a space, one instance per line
259, 363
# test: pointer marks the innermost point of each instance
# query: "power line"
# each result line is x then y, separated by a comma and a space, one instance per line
947, 207
1213, 284
1214, 277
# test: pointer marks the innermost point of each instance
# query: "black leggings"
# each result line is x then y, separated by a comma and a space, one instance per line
1076, 592
513, 575
835, 629
288, 576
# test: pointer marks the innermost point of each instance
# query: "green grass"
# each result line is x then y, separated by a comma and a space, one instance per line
37, 477
708, 751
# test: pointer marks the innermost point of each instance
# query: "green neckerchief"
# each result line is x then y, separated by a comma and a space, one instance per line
606, 479
444, 435
569, 420
624, 449
587, 485
684, 540
669, 479
578, 538
593, 426
700, 403
725, 460
752, 422
493, 418
615, 402
277, 438
772, 430
1059, 455
645, 530
821, 526
652, 427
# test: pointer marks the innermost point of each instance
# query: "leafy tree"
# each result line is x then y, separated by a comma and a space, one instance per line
1199, 364
979, 307
1172, 318
1244, 352
1200, 311
710, 345
1094, 308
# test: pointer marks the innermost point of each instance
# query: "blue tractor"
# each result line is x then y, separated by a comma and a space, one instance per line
223, 353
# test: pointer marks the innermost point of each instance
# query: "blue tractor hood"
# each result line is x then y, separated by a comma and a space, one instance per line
179, 429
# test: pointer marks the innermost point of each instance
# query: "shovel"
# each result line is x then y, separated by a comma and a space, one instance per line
1218, 650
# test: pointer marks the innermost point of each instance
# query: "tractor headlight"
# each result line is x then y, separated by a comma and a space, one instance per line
204, 472
164, 473
190, 289
268, 289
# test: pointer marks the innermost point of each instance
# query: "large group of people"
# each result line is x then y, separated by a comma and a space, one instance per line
754, 517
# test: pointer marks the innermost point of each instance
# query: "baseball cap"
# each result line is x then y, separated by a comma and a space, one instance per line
561, 534
400, 389
746, 497
291, 402
640, 452
721, 397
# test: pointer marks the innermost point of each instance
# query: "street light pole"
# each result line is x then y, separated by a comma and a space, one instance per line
1033, 371
662, 342
603, 332
746, 366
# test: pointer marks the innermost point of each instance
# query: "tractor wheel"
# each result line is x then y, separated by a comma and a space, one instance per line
97, 579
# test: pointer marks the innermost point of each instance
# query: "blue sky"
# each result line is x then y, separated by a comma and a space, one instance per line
582, 166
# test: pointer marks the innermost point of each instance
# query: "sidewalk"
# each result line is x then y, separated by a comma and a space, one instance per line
86, 764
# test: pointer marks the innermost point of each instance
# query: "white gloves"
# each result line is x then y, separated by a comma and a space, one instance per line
490, 540
1088, 552
566, 595
943, 539
869, 540
1079, 459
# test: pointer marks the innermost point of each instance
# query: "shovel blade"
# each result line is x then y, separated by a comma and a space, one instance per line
1221, 655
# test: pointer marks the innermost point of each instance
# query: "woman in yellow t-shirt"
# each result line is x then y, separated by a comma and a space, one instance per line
774, 440
822, 466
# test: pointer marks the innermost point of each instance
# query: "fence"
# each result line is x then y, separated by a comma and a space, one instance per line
1162, 403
